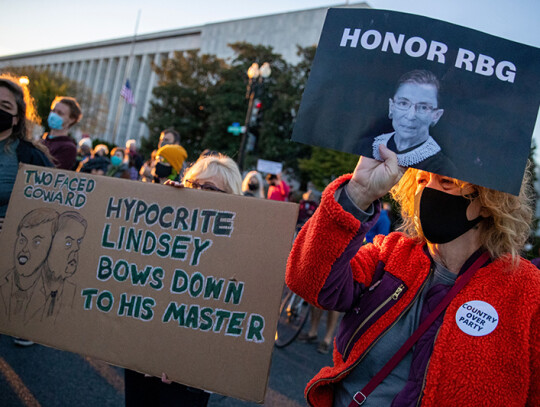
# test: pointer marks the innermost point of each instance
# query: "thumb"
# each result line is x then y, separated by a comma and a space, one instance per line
165, 379
389, 157
391, 161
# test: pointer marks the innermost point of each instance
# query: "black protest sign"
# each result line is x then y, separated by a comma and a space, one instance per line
447, 99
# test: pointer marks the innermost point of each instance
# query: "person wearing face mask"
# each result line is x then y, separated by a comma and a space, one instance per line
118, 167
166, 137
253, 185
444, 312
65, 113
169, 162
16, 145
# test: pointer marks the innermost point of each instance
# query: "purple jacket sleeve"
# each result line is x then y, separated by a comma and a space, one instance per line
340, 289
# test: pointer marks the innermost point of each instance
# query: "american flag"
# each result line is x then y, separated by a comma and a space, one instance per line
127, 93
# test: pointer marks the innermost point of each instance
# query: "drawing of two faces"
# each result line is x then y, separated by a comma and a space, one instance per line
47, 238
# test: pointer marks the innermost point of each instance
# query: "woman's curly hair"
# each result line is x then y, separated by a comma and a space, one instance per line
504, 231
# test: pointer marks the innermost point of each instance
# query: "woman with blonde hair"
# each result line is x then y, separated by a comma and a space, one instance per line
253, 185
446, 306
214, 173
16, 145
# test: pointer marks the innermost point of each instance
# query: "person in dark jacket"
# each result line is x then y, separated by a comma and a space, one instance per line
383, 225
169, 163
65, 113
84, 152
135, 160
16, 145
17, 112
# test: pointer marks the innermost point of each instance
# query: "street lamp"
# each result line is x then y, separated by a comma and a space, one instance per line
256, 77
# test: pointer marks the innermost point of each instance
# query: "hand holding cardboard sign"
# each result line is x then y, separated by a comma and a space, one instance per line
164, 378
373, 179
175, 184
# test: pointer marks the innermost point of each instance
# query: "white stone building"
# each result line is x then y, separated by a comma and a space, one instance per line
104, 66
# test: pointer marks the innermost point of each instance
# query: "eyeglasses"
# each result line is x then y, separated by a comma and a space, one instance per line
421, 109
205, 187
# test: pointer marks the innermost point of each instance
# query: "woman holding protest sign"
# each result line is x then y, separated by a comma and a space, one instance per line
16, 145
452, 285
215, 173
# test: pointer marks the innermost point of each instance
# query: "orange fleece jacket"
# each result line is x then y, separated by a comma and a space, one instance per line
498, 369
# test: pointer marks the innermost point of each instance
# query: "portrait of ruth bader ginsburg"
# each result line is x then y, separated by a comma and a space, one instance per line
414, 109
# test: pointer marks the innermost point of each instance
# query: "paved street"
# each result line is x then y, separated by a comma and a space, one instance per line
41, 376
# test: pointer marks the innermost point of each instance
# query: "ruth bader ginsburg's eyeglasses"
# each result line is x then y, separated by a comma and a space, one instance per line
205, 187
420, 108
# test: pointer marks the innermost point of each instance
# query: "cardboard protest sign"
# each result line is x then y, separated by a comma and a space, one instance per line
145, 276
374, 81
270, 167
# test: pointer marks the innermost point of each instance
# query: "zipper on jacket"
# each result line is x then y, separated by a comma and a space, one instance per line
363, 355
394, 296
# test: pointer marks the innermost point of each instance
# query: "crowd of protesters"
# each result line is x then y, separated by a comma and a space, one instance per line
168, 164
331, 264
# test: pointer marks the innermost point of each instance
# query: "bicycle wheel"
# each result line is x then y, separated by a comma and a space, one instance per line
292, 317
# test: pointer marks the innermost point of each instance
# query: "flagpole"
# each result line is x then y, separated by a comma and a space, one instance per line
127, 74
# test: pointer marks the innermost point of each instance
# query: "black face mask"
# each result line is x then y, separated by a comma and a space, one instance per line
6, 120
162, 170
253, 186
443, 216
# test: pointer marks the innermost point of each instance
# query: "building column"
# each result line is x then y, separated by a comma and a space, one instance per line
107, 81
82, 67
115, 97
137, 97
71, 69
89, 80
151, 83
96, 88
65, 67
